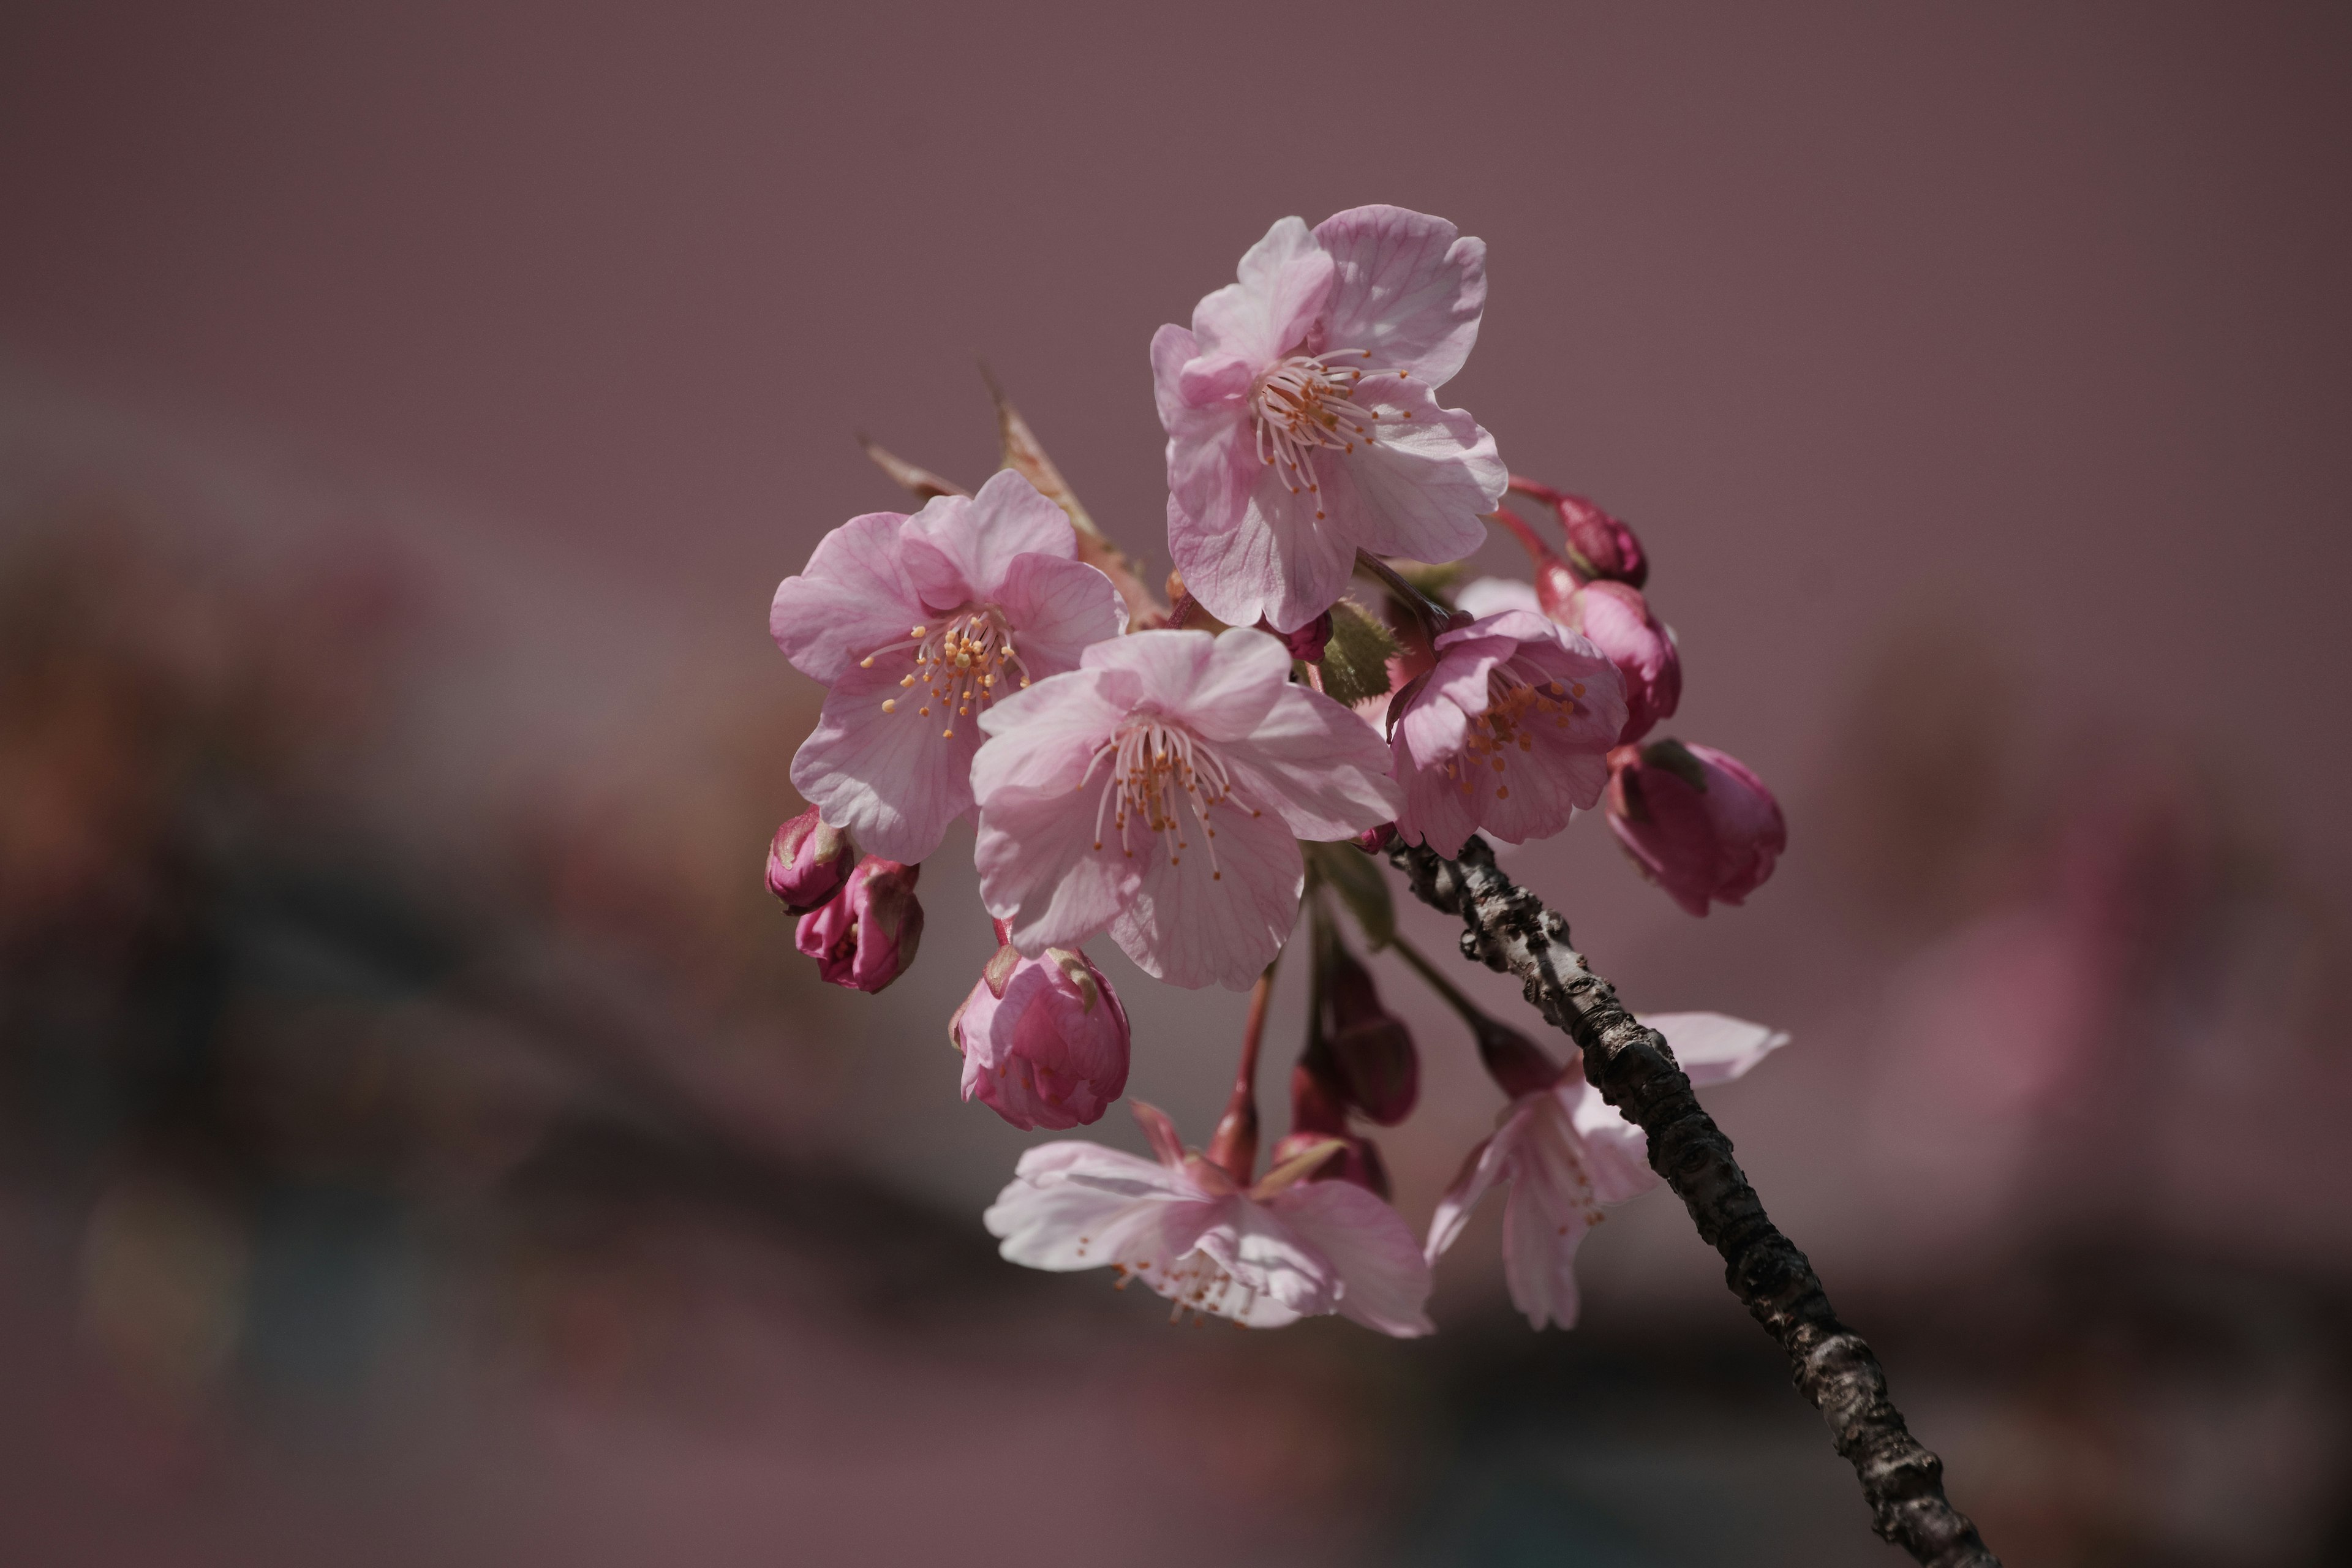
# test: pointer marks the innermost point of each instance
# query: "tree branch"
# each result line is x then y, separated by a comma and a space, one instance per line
1507, 929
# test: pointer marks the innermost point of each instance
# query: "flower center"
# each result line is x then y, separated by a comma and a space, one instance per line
957, 664
1516, 709
1159, 772
1306, 403
1196, 1283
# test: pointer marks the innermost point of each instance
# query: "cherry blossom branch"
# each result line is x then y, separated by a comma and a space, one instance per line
1509, 929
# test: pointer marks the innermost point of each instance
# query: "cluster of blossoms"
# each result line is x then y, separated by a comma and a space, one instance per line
1186, 777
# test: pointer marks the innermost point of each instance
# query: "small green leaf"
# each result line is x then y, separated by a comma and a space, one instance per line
1356, 660
1356, 877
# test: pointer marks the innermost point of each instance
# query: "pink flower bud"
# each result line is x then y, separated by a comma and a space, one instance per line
808, 861
1696, 821
1599, 545
1375, 840
1316, 1116
866, 936
1308, 641
1372, 1063
1618, 620
1044, 1040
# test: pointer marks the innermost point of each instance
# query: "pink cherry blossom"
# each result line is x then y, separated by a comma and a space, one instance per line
1044, 1040
1616, 618
917, 625
1158, 791
1696, 821
1264, 1255
866, 935
1565, 1153
1302, 418
1509, 733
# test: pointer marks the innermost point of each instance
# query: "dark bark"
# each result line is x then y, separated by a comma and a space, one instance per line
1507, 929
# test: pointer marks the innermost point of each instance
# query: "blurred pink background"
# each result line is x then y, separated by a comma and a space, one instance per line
406, 413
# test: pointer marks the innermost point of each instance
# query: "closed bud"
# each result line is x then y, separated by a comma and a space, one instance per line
1375, 840
1518, 1065
1308, 641
807, 862
1618, 620
1316, 1116
1599, 545
866, 936
1373, 1065
1694, 820
1044, 1040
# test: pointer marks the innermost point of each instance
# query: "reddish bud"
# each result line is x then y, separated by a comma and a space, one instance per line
1518, 1065
866, 936
1373, 1065
1618, 620
1375, 840
1045, 1044
1599, 545
1308, 641
1694, 820
807, 862
1317, 1116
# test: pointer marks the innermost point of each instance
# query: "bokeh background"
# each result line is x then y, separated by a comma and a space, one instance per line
418, 1140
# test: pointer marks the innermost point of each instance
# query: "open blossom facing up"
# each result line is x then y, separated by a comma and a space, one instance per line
1264, 1255
1696, 820
1509, 733
1302, 416
1044, 1040
917, 623
1565, 1153
1158, 791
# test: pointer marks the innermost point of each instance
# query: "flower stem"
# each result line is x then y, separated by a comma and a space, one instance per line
1433, 617
1235, 1146
1636, 1071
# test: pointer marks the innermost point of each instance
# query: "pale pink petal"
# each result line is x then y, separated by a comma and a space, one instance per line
1615, 1152
1044, 739
1459, 679
1160, 1132
1550, 782
1284, 280
1195, 923
1316, 764
1410, 288
1172, 348
1269, 557
1218, 686
1492, 596
1438, 812
960, 549
1422, 489
1384, 1281
1541, 1231
1254, 1245
1489, 1162
1058, 609
894, 780
1085, 1206
854, 597
1431, 730
1040, 872
1713, 1049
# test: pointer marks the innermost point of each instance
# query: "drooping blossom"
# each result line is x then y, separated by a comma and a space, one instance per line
1044, 1040
808, 861
1302, 418
1158, 791
866, 935
1696, 821
1509, 733
1565, 1153
1263, 1255
917, 625
1616, 619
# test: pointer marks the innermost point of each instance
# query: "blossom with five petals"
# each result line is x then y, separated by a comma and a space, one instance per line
1509, 733
1263, 1255
1565, 1152
918, 624
1159, 791
1302, 418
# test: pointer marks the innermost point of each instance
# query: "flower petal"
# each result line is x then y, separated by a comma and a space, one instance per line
1040, 872
1422, 489
1713, 1049
1058, 609
1046, 738
1266, 554
1316, 763
1492, 596
1284, 280
1410, 288
1254, 1245
1489, 1162
854, 597
894, 780
1194, 922
1384, 1281
960, 549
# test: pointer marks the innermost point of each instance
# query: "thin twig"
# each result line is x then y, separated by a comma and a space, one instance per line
1509, 929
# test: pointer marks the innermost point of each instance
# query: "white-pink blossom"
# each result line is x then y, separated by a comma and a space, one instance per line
1264, 1255
917, 625
1158, 791
1509, 733
1302, 418
1565, 1153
